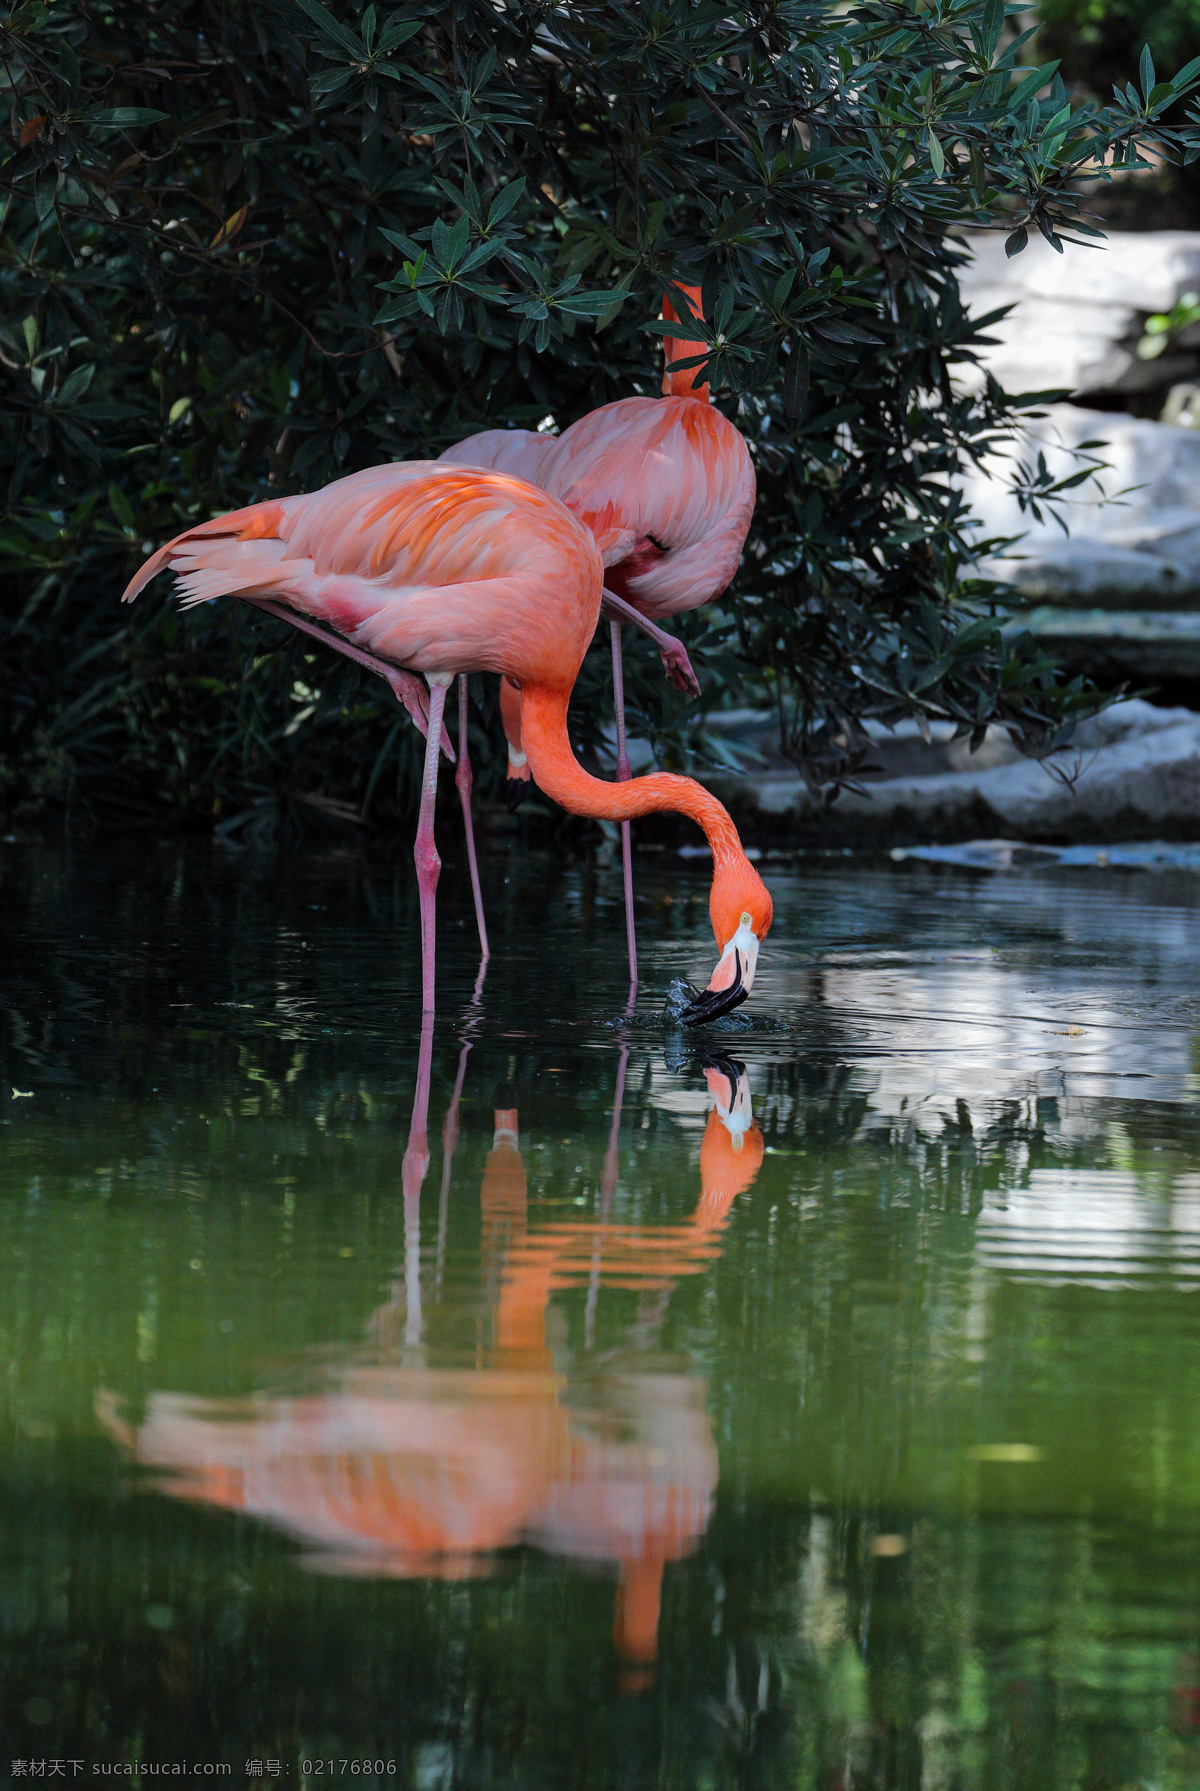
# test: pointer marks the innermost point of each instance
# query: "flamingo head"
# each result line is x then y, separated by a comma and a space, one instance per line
517, 782
729, 1085
741, 910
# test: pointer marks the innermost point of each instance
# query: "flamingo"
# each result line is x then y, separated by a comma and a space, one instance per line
393, 1466
442, 570
666, 486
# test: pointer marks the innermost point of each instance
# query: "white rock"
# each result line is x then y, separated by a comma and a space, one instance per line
1133, 773
1134, 529
1142, 271
1093, 572
1079, 315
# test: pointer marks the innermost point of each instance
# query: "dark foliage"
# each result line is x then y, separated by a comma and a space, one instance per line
250, 246
1098, 44
1100, 41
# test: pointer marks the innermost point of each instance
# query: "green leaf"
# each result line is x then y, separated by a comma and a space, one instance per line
333, 31
396, 33
125, 118
75, 385
1146, 71
796, 381
120, 507
334, 80
505, 202
1187, 77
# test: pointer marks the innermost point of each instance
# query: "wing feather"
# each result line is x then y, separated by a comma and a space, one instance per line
436, 566
522, 452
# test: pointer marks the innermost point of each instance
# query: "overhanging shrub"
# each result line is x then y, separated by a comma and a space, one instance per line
250, 246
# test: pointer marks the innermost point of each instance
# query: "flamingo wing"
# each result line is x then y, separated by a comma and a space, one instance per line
667, 487
437, 567
522, 452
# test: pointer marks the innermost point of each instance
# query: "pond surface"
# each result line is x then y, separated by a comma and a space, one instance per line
600, 1435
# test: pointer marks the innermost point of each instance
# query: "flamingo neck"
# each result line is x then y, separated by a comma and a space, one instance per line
678, 384
558, 773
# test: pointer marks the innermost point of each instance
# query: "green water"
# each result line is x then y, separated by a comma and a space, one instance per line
866, 1454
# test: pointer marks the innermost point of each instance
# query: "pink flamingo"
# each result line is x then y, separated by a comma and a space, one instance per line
443, 570
666, 486
393, 1466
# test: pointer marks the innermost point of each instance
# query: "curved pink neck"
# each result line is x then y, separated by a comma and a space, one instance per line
558, 773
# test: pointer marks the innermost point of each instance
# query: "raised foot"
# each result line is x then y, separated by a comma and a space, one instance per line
413, 693
678, 668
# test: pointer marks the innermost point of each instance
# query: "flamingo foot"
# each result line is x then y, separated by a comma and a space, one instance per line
678, 667
672, 652
413, 694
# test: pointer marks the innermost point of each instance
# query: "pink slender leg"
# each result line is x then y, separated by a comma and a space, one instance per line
463, 780
623, 774
405, 687
609, 1176
425, 852
672, 652
413, 1173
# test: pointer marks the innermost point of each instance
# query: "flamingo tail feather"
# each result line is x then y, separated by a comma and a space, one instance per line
256, 522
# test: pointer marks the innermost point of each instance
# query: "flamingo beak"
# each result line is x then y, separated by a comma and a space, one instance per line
730, 982
729, 1085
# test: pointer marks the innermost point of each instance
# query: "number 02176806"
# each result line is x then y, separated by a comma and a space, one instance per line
359, 1769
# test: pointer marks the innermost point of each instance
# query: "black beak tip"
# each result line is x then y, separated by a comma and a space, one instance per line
711, 1005
715, 1002
730, 1067
516, 792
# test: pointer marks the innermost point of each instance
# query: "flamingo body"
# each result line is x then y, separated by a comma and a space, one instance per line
522, 452
666, 486
433, 567
444, 569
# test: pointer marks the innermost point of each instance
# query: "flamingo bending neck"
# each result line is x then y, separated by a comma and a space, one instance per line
556, 771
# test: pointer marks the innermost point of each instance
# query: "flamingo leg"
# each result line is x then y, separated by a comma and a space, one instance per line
609, 1176
450, 1124
463, 781
413, 1172
672, 652
623, 775
405, 686
425, 852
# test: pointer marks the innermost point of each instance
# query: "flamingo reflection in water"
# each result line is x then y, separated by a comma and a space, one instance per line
402, 1469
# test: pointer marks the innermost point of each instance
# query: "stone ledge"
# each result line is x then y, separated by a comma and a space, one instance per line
1135, 774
